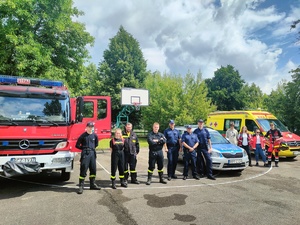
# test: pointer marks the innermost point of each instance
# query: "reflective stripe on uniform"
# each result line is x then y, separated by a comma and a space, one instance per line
160, 170
132, 171
92, 176
150, 171
121, 176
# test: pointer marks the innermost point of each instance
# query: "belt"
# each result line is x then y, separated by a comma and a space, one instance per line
88, 149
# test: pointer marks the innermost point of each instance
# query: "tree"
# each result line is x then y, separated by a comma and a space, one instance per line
123, 66
224, 89
253, 97
182, 98
291, 105
39, 38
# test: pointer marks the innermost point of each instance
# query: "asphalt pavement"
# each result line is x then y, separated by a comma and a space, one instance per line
258, 195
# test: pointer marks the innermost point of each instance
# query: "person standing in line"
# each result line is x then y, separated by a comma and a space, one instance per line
258, 144
204, 150
132, 142
274, 136
87, 143
232, 134
189, 142
173, 146
156, 141
244, 142
117, 146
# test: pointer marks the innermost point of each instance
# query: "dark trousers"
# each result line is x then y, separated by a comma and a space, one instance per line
206, 160
117, 162
156, 157
189, 157
172, 155
87, 161
130, 159
246, 147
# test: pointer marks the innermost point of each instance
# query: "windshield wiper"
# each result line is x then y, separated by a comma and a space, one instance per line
45, 122
9, 121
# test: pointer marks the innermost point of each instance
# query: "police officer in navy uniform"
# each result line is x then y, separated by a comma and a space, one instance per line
189, 144
204, 150
117, 146
173, 146
131, 152
156, 141
87, 142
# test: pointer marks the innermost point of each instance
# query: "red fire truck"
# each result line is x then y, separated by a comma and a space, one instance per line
40, 124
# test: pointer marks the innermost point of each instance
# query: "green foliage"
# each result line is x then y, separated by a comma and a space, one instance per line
253, 97
40, 39
182, 98
123, 66
224, 89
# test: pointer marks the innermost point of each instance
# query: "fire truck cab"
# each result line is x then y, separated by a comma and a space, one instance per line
40, 124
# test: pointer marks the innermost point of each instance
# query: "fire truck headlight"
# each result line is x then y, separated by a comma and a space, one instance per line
61, 145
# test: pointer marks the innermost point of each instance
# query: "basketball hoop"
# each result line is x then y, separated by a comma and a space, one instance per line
137, 105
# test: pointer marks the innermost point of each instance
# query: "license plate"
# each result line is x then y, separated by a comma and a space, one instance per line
23, 160
234, 161
296, 153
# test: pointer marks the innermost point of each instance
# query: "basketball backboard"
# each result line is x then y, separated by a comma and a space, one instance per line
133, 96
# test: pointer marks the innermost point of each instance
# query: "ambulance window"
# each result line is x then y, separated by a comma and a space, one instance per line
251, 125
237, 124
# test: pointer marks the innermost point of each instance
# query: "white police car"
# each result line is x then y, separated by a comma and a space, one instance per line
225, 156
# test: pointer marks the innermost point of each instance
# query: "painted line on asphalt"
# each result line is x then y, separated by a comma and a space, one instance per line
145, 187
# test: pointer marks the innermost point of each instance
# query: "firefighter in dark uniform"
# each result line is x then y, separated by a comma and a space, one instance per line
173, 146
87, 142
156, 141
117, 146
131, 152
189, 143
274, 136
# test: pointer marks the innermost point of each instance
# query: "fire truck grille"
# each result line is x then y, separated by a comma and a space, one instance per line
29, 144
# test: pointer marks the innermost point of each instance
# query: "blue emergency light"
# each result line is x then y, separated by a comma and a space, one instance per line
29, 81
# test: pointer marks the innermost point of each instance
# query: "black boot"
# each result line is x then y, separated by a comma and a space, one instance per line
113, 184
133, 178
161, 179
276, 164
126, 175
149, 179
93, 186
123, 184
81, 185
269, 163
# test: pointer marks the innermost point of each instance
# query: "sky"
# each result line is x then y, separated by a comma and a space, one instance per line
181, 36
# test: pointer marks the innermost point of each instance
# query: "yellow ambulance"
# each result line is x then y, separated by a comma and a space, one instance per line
220, 120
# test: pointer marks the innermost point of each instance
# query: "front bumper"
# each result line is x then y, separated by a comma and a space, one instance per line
230, 163
62, 160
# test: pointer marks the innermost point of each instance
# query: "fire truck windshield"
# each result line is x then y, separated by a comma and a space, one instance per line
34, 110
265, 124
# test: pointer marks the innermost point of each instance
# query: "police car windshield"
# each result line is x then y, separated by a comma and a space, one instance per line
217, 138
30, 111
265, 124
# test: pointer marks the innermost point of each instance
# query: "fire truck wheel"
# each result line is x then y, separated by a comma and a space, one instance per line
65, 176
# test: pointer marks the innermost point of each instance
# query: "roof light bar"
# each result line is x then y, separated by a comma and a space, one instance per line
29, 81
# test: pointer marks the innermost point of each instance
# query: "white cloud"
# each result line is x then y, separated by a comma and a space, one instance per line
179, 36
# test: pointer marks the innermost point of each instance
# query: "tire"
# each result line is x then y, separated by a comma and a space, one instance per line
65, 176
